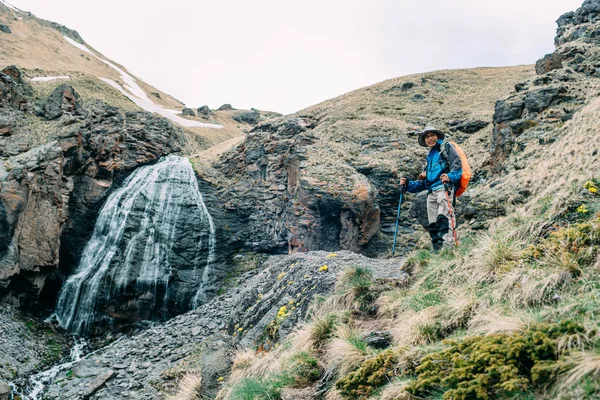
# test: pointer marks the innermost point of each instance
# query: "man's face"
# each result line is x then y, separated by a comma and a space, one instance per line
431, 139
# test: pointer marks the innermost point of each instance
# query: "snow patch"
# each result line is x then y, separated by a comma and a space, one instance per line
136, 94
79, 45
48, 78
154, 108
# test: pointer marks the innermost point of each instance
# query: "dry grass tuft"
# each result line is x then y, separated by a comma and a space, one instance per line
396, 391
490, 322
410, 328
347, 350
189, 388
585, 365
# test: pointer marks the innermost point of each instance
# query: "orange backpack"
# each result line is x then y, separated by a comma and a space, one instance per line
466, 170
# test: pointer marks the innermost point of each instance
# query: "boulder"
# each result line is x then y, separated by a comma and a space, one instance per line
249, 117
5, 28
63, 100
225, 107
14, 91
204, 110
5, 391
508, 110
549, 63
468, 126
539, 100
379, 340
188, 112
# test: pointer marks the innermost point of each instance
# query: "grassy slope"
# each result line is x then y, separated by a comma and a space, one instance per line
385, 113
530, 283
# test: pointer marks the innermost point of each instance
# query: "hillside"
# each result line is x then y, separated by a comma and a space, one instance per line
49, 53
265, 271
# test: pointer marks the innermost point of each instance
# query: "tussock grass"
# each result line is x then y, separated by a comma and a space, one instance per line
583, 365
347, 350
529, 283
189, 388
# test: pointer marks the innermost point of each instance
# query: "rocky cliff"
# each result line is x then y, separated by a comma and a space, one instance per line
326, 177
50, 193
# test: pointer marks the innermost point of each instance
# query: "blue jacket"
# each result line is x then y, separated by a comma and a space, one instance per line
435, 169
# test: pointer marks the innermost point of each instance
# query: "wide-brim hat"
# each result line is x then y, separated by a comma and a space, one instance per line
428, 129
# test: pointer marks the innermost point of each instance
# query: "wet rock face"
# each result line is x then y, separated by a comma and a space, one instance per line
283, 206
50, 195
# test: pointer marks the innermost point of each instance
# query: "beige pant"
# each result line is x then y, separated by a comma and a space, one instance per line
441, 220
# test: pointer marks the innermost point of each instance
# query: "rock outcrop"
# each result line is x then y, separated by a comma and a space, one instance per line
540, 105
285, 210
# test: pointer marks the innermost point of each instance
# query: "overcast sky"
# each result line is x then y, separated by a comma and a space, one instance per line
283, 55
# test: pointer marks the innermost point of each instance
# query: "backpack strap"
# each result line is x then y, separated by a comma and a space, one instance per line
444, 156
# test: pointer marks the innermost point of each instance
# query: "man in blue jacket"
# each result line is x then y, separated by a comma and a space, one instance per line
443, 169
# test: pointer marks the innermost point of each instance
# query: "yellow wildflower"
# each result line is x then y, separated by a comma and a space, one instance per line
282, 313
591, 187
323, 268
290, 282
331, 255
220, 379
240, 329
280, 276
582, 209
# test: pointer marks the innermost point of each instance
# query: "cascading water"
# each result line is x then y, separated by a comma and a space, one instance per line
33, 388
153, 244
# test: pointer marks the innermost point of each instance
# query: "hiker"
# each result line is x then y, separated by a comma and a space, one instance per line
440, 177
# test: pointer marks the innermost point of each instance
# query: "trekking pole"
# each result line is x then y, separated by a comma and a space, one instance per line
402, 190
451, 211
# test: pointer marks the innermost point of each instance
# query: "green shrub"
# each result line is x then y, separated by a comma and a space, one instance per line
373, 374
269, 388
494, 366
304, 369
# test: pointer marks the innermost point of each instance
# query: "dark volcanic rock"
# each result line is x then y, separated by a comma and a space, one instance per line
188, 111
204, 110
14, 91
225, 107
63, 99
5, 28
467, 126
286, 210
249, 117
508, 110
539, 100
379, 340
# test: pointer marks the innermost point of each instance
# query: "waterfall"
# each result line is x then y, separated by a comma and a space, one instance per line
152, 233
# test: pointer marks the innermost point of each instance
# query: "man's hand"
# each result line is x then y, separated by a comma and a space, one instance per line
422, 176
445, 178
403, 181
